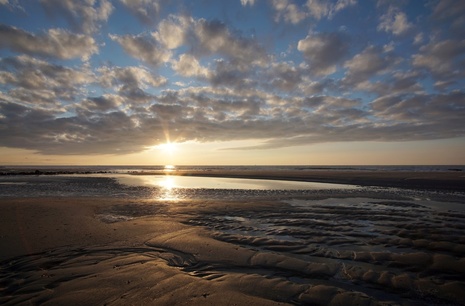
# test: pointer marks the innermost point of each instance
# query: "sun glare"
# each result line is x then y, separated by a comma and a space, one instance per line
168, 147
169, 168
168, 183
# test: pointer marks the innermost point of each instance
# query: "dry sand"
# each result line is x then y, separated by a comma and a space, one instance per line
335, 251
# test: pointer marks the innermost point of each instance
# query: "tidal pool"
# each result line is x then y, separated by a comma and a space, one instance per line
175, 181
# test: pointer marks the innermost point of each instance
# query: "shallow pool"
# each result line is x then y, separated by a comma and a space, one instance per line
175, 181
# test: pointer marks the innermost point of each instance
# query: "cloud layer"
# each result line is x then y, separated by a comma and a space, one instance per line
83, 83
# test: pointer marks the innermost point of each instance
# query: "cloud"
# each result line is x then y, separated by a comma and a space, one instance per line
323, 51
211, 37
206, 38
35, 82
367, 63
173, 31
312, 87
107, 102
201, 37
283, 76
97, 130
129, 76
56, 43
450, 14
319, 9
83, 16
12, 5
395, 22
288, 11
189, 66
248, 2
370, 62
418, 39
143, 48
443, 59
392, 118
130, 82
396, 83
145, 10
205, 80
231, 74
219, 114
441, 113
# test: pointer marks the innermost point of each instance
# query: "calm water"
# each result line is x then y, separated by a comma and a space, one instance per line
142, 169
174, 181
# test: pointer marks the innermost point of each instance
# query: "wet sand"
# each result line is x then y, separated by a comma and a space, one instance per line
333, 249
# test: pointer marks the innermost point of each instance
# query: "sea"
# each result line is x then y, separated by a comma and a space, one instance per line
146, 168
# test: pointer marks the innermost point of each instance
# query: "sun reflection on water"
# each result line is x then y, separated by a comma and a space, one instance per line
168, 191
168, 183
169, 168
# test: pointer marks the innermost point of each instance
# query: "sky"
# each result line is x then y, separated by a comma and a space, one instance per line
253, 82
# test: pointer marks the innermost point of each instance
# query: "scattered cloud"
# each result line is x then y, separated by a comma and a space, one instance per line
394, 21
145, 10
83, 16
73, 86
189, 66
323, 51
34, 82
248, 2
12, 5
143, 48
450, 13
211, 37
368, 63
55, 43
206, 38
130, 82
288, 11
320, 8
173, 31
443, 59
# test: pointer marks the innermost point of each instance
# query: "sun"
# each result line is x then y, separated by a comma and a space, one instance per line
168, 147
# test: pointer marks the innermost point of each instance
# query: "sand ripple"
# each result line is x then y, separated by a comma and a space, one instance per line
357, 251
388, 250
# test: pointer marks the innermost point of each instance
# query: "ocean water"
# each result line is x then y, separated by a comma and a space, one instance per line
141, 169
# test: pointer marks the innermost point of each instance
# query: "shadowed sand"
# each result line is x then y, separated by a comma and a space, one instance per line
309, 251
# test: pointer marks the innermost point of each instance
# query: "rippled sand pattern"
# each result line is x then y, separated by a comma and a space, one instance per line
389, 250
335, 251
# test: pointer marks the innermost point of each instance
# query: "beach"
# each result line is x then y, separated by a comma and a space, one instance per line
366, 245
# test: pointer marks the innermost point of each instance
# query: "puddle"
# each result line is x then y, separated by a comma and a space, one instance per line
193, 182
